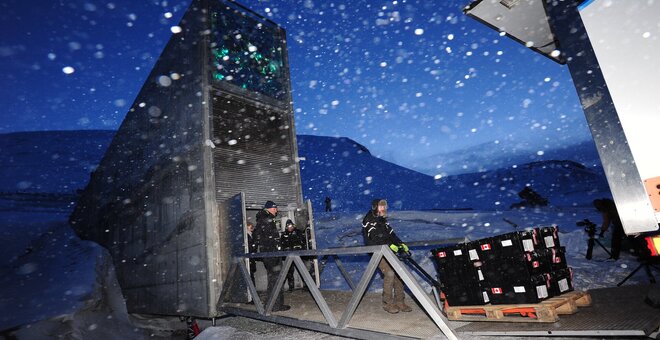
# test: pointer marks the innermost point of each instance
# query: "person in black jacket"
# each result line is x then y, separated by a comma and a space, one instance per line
292, 239
607, 208
377, 231
252, 248
267, 239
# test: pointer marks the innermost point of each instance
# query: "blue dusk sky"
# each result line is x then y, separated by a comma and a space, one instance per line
408, 79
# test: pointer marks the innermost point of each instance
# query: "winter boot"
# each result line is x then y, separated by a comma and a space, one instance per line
390, 308
403, 307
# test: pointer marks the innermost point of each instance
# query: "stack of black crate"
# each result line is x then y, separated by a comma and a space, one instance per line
560, 275
513, 268
460, 275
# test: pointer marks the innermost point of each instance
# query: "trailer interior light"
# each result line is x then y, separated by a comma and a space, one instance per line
653, 243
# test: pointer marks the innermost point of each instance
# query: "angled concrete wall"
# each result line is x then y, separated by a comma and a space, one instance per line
146, 200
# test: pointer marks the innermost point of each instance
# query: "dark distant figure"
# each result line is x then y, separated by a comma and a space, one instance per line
328, 204
292, 239
607, 208
252, 248
267, 238
376, 231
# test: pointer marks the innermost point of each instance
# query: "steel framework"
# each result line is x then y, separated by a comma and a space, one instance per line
238, 271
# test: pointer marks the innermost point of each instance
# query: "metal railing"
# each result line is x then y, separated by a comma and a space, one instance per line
334, 326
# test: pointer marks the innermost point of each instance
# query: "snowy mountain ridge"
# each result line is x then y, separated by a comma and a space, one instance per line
50, 161
491, 156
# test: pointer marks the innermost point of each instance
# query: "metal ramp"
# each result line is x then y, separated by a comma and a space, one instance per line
615, 312
352, 314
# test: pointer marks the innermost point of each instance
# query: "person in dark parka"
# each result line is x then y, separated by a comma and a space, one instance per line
292, 239
267, 239
610, 215
377, 231
252, 248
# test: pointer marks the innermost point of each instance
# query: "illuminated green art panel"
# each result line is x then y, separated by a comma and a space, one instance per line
247, 53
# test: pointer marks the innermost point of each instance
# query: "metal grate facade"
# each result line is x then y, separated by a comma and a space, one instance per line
254, 152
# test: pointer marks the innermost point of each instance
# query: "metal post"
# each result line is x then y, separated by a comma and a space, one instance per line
344, 272
251, 287
316, 293
278, 286
361, 289
417, 290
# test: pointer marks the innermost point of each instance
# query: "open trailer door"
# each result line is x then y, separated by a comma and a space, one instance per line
233, 236
310, 233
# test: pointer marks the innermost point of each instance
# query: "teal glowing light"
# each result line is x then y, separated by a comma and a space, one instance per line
248, 51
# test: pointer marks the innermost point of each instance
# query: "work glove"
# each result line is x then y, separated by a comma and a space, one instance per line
403, 251
394, 248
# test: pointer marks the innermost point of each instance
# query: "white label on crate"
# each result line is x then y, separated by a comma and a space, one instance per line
458, 252
563, 285
473, 254
519, 289
486, 299
507, 243
481, 276
528, 245
549, 241
542, 292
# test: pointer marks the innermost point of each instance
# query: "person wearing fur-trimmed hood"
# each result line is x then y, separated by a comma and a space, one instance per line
377, 231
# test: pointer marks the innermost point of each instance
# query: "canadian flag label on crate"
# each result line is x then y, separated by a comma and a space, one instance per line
507, 243
563, 285
442, 254
535, 264
555, 258
496, 290
485, 246
549, 241
542, 291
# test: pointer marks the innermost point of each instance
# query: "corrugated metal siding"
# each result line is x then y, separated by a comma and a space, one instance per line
254, 152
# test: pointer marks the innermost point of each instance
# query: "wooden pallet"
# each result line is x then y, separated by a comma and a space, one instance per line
545, 311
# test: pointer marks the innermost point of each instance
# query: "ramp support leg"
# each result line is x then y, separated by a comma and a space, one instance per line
428, 305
